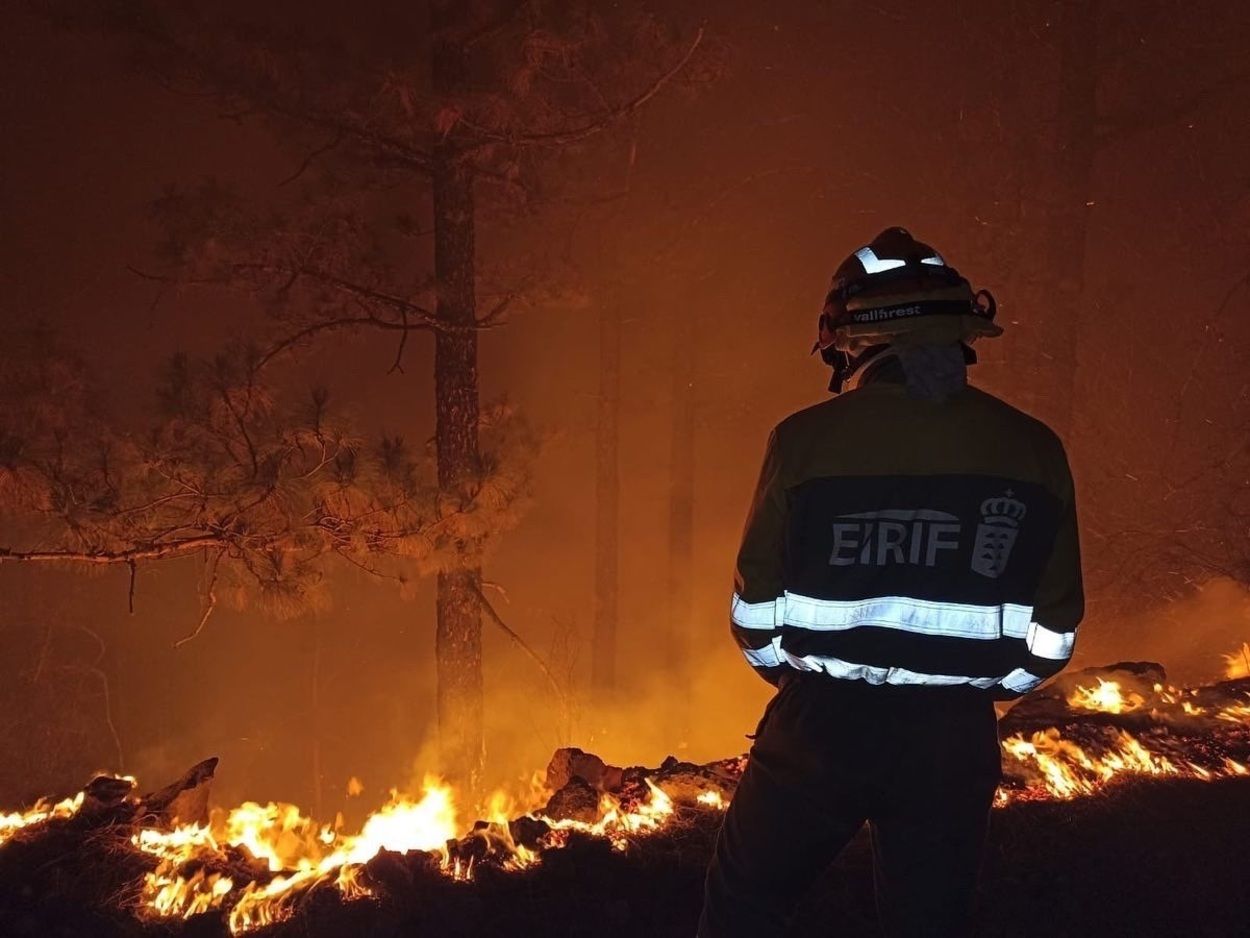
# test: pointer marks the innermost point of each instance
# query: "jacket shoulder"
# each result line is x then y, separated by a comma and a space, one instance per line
864, 414
1026, 423
817, 416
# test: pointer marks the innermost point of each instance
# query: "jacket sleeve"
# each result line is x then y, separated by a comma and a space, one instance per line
1059, 604
758, 600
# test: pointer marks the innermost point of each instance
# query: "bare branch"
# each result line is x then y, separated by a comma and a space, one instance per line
599, 123
209, 606
495, 316
397, 365
518, 640
312, 156
221, 79
329, 325
95, 670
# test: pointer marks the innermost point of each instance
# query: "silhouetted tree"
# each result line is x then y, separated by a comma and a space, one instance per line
454, 115
1118, 75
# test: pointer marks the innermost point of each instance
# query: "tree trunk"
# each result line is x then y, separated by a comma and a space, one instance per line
1057, 330
314, 706
607, 502
458, 639
458, 635
681, 525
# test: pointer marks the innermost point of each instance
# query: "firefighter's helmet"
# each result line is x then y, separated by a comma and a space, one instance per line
896, 289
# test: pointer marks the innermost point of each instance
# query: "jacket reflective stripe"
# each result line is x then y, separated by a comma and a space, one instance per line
926, 617
765, 615
1047, 643
767, 657
1021, 681
905, 614
837, 667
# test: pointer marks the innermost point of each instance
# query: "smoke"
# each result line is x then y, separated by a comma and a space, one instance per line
1190, 637
655, 712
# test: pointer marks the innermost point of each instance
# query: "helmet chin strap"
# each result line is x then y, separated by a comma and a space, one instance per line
931, 372
872, 360
848, 369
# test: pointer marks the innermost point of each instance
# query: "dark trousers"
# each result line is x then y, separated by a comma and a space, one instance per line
920, 765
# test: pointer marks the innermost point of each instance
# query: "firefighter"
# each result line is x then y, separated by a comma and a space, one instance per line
910, 557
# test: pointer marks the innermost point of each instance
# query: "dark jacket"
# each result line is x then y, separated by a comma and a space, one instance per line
903, 541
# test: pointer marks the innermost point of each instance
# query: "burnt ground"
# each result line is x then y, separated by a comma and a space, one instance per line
1165, 858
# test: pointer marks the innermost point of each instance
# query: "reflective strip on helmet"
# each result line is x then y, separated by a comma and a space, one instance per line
767, 657
1047, 643
766, 615
924, 617
935, 260
875, 265
1020, 681
849, 670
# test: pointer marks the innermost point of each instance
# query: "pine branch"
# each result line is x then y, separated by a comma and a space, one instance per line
126, 555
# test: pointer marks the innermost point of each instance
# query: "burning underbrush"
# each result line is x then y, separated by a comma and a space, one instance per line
143, 862
1096, 726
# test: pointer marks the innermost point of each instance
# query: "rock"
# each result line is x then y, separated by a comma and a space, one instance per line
527, 831
569, 763
684, 782
390, 871
184, 801
577, 800
106, 791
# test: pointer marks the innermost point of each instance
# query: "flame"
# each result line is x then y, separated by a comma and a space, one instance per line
1070, 771
288, 844
1107, 697
298, 853
713, 799
42, 810
1067, 769
254, 863
617, 823
1237, 665
404, 825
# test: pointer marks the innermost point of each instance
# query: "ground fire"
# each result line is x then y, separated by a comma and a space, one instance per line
254, 865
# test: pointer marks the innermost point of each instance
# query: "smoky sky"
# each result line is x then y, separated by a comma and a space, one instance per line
823, 123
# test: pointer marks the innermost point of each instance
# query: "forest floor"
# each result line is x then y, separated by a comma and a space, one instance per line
1143, 858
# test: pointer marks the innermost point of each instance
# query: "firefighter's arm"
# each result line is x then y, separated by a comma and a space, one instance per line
758, 600
1059, 603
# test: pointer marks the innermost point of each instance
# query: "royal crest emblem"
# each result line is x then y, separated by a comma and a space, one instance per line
996, 534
